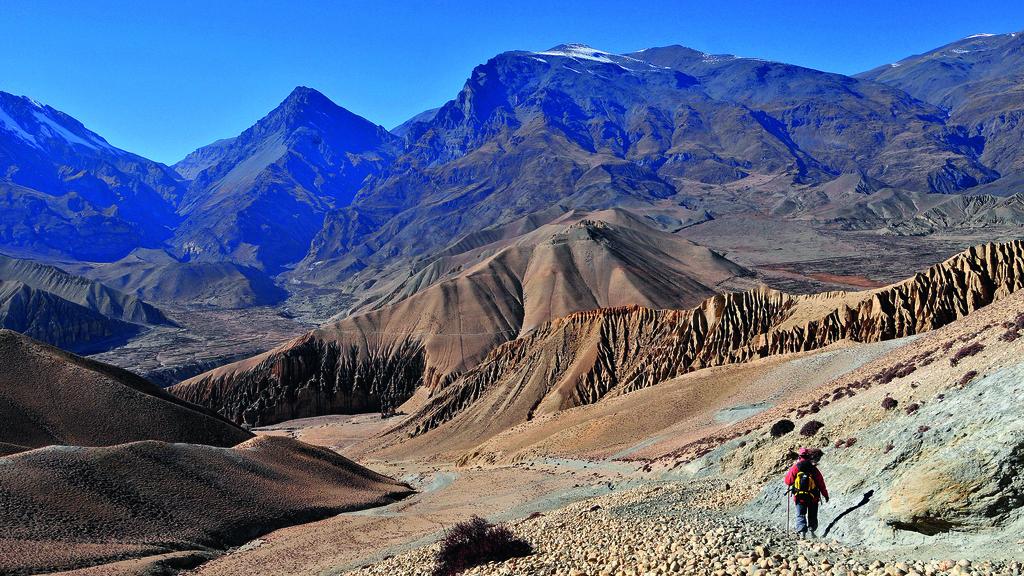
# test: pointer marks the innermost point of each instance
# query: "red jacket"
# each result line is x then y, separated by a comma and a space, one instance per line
819, 481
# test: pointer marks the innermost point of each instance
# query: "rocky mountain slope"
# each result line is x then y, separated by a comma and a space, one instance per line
919, 443
93, 295
69, 311
483, 291
50, 318
160, 277
977, 80
52, 397
585, 129
65, 191
259, 198
584, 357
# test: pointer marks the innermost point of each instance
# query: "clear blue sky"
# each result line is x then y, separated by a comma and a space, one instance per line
162, 78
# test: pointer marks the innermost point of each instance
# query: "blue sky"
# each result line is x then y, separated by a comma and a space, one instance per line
162, 78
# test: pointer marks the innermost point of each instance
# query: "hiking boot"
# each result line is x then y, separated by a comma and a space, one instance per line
813, 534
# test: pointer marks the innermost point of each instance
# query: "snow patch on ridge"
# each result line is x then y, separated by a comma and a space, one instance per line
12, 125
581, 51
58, 131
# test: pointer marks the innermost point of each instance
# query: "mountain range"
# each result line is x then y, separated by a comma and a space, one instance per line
635, 277
313, 201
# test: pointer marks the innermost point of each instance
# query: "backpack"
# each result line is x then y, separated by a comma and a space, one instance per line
805, 490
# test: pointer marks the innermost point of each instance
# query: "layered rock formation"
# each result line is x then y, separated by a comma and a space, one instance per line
921, 444
454, 310
586, 356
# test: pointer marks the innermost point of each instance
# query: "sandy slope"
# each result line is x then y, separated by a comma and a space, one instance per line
48, 396
70, 507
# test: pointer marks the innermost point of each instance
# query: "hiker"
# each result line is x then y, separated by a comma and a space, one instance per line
808, 487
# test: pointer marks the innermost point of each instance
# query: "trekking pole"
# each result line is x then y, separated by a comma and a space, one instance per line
786, 496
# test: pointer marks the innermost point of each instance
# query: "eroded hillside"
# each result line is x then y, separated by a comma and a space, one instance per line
587, 356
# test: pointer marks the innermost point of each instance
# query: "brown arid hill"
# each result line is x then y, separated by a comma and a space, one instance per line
586, 357
149, 505
48, 396
483, 291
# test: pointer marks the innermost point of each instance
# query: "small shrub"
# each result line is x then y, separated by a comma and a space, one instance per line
888, 448
782, 427
922, 429
477, 542
889, 403
850, 442
815, 408
911, 408
811, 428
899, 370
966, 378
969, 350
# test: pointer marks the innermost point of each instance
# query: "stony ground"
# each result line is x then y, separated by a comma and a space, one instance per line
659, 529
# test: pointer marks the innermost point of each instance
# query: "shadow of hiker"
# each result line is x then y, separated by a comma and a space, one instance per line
864, 500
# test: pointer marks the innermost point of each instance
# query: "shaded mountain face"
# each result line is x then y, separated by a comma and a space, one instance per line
979, 82
64, 190
69, 311
579, 128
445, 318
81, 291
259, 198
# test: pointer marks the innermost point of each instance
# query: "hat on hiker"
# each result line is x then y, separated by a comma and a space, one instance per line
804, 452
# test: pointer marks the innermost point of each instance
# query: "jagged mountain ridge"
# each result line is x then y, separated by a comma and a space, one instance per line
587, 130
587, 356
65, 191
444, 319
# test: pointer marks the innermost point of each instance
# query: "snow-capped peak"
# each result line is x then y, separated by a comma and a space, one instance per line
35, 123
580, 51
982, 35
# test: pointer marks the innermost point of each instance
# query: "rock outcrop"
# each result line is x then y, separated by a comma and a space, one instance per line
586, 356
310, 376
